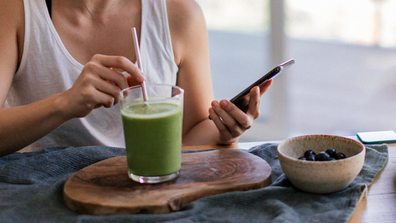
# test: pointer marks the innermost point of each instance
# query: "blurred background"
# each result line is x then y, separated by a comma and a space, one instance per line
344, 78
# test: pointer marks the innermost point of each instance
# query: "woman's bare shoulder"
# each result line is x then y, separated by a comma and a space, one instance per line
186, 22
11, 14
185, 15
183, 9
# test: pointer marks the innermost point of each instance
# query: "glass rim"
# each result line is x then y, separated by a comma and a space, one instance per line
181, 91
139, 86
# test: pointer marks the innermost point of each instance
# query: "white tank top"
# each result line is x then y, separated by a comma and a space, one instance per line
47, 68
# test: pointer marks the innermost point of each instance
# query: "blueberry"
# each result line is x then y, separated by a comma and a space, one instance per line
331, 152
309, 153
311, 158
302, 158
340, 156
322, 156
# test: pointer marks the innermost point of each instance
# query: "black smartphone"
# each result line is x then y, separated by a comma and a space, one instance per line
241, 100
377, 137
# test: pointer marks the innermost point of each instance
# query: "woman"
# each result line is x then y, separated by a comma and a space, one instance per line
61, 71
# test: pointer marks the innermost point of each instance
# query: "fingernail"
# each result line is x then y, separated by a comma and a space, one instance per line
223, 102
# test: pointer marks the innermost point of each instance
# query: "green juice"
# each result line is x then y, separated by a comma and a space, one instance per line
153, 138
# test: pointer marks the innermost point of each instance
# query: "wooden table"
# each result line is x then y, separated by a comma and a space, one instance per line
378, 206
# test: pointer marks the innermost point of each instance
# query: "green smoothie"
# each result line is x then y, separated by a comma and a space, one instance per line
153, 138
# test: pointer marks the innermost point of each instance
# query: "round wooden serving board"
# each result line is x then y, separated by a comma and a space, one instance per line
104, 188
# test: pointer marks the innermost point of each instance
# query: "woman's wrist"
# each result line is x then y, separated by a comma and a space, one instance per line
62, 107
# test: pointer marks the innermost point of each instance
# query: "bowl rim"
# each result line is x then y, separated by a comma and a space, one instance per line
320, 135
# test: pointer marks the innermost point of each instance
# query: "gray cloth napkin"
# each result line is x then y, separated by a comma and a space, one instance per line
31, 186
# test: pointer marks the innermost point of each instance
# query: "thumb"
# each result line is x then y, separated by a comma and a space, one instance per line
265, 86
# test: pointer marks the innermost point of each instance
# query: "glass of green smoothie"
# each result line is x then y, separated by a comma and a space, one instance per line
153, 132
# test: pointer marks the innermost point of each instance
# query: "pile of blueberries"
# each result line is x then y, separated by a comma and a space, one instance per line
329, 155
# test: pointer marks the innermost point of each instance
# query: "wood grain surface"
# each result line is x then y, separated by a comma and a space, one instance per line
380, 204
104, 187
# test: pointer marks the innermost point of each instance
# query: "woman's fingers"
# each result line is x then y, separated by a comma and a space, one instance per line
120, 63
131, 81
265, 86
104, 100
233, 116
100, 82
230, 120
108, 88
109, 69
234, 120
216, 119
224, 132
96, 71
254, 103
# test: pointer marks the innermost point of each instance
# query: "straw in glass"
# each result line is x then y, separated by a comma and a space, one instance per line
139, 61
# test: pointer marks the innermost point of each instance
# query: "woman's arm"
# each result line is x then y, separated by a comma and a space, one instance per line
190, 46
190, 43
98, 85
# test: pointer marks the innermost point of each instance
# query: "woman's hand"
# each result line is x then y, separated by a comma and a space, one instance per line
99, 84
231, 121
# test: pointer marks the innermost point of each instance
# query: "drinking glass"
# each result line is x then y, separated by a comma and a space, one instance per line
153, 132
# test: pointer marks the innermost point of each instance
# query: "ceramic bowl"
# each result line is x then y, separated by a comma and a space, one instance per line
321, 176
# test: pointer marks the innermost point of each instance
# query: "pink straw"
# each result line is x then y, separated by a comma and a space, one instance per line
139, 61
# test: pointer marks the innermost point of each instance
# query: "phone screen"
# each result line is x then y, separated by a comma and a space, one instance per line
241, 100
